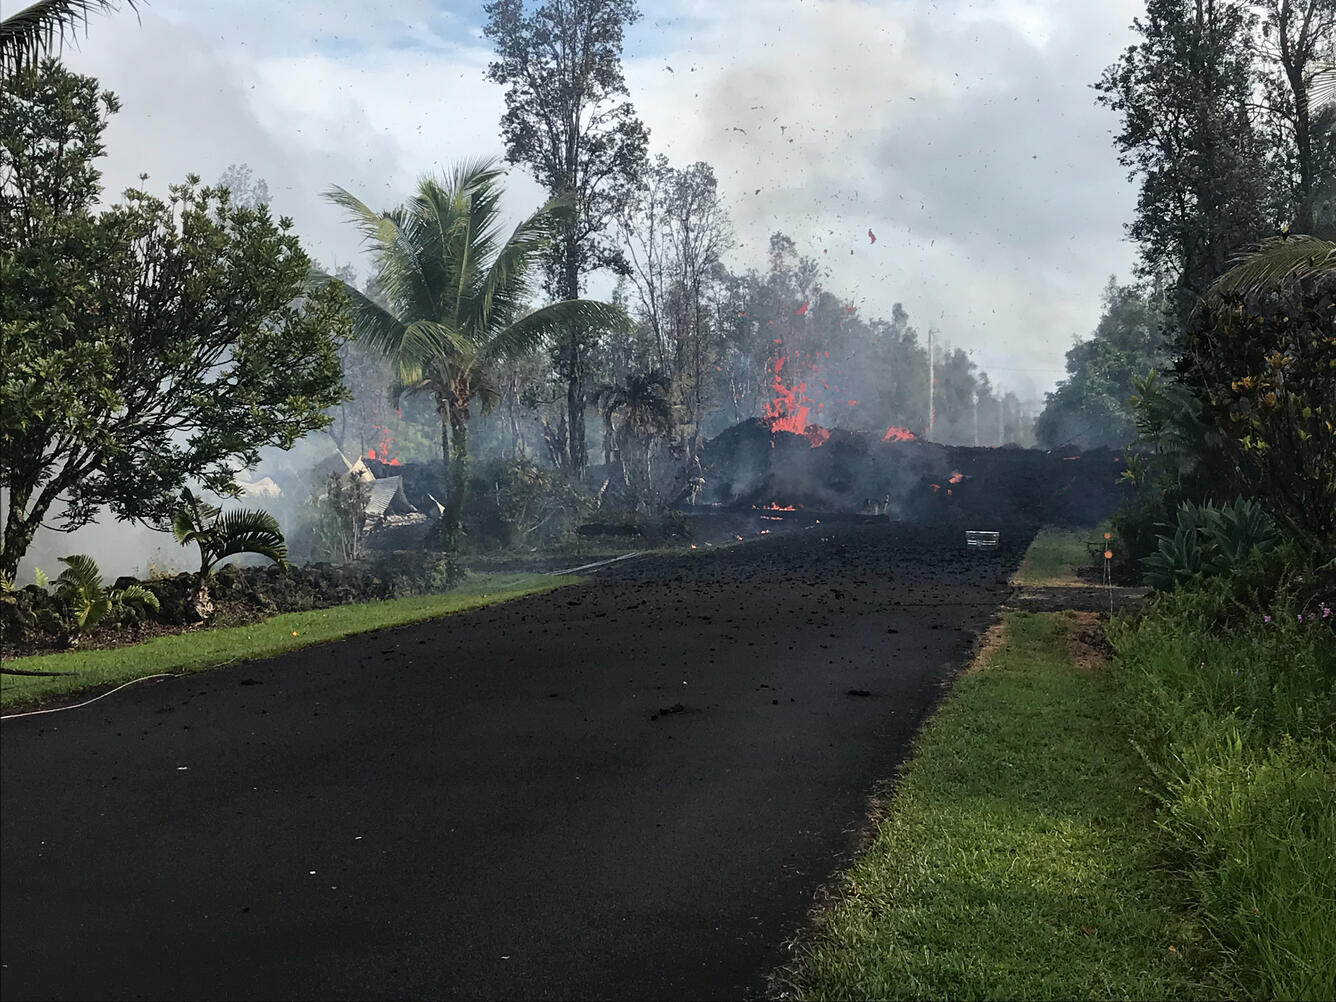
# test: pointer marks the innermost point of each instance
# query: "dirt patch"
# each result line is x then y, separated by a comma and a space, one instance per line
1086, 598
991, 640
1087, 646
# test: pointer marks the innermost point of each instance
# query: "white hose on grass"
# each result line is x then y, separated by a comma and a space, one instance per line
58, 709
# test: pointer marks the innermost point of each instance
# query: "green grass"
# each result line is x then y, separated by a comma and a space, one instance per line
1054, 556
1236, 719
1018, 859
199, 650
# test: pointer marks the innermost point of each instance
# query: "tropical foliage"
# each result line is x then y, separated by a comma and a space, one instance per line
220, 534
457, 301
80, 585
1210, 540
1261, 357
32, 31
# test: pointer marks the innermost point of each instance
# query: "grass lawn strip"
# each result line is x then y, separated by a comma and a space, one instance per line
199, 650
1018, 857
1053, 557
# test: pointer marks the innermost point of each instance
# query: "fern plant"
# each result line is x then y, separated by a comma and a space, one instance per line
80, 585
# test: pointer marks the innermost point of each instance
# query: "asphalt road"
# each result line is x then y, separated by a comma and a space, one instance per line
629, 789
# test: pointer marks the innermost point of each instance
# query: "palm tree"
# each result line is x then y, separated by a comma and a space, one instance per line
646, 414
457, 302
40, 27
1276, 262
219, 534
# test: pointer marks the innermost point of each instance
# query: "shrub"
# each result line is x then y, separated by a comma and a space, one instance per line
1260, 354
1211, 540
515, 502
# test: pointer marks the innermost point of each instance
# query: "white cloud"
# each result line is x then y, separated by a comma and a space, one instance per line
963, 134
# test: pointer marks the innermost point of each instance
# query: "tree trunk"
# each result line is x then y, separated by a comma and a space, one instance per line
453, 517
17, 531
437, 537
1303, 140
17, 536
575, 360
575, 412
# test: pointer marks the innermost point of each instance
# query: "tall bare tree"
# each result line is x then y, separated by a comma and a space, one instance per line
568, 121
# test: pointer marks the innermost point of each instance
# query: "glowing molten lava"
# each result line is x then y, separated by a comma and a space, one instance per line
788, 409
384, 449
894, 434
956, 477
775, 506
383, 457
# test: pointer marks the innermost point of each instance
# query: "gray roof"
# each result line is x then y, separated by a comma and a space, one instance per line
387, 497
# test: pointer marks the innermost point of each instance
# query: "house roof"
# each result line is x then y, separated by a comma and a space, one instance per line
337, 462
264, 487
387, 497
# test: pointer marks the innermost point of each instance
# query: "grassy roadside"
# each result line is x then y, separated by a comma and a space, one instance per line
203, 649
1234, 713
1054, 555
1019, 856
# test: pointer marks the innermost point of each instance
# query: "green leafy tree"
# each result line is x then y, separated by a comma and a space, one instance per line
80, 585
1261, 358
569, 123
147, 345
456, 302
1091, 406
1189, 138
340, 517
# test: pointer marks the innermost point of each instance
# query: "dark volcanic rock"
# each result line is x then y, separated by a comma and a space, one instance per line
749, 465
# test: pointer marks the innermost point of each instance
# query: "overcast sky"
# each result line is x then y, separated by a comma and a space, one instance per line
964, 135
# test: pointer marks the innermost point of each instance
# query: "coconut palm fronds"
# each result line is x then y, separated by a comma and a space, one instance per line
35, 30
1277, 261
